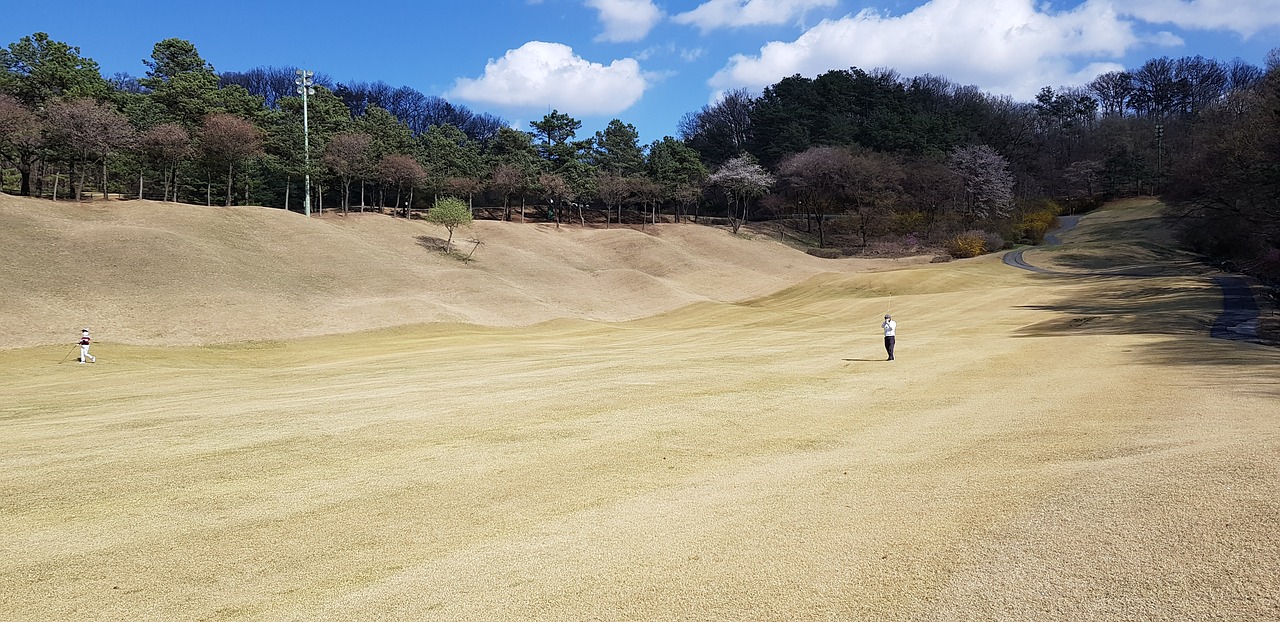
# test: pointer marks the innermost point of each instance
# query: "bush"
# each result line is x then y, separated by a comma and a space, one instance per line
966, 244
1037, 222
993, 242
905, 223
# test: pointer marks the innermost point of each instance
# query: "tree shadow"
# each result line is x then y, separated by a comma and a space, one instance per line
1114, 306
432, 243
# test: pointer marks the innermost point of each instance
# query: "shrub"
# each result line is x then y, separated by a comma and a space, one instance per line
904, 223
992, 242
1035, 223
966, 244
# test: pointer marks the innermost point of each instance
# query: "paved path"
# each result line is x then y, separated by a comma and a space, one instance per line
1238, 320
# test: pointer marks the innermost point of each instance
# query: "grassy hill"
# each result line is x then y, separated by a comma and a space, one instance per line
1044, 447
149, 273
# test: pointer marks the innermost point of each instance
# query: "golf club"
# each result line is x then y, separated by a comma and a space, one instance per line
64, 358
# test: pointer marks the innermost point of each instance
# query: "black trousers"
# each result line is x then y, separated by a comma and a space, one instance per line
888, 346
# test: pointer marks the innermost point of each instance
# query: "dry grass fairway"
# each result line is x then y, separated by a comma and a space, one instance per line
1044, 448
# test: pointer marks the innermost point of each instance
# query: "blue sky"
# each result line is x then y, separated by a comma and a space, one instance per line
648, 62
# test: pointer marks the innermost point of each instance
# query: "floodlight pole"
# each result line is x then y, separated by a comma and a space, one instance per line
1159, 154
305, 83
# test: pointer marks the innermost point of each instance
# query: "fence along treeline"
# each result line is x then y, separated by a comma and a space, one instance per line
874, 154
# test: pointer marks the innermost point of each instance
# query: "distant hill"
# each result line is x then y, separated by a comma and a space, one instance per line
151, 273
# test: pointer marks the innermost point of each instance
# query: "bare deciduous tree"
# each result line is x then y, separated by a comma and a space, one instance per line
614, 189
167, 144
402, 171
505, 180
89, 131
555, 188
21, 138
463, 186
347, 155
228, 140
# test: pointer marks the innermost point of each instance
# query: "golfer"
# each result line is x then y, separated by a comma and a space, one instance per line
84, 348
890, 333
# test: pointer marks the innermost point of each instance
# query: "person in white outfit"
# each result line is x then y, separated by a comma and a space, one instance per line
890, 334
85, 357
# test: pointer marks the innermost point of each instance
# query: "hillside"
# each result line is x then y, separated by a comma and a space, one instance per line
148, 273
1045, 446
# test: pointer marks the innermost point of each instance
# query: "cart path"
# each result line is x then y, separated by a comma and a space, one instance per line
1238, 320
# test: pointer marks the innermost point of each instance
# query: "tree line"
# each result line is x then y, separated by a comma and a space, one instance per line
847, 158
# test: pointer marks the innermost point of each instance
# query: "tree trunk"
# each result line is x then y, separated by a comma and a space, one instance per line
24, 187
104, 178
55, 187
288, 185
208, 191
141, 171
822, 237
229, 169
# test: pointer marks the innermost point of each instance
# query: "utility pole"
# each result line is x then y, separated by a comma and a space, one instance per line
305, 88
1159, 155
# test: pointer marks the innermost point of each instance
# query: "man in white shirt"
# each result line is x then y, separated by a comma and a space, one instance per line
890, 334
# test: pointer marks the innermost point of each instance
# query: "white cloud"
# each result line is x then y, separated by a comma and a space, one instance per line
1246, 17
687, 55
1167, 39
1003, 46
715, 14
550, 74
625, 20
691, 54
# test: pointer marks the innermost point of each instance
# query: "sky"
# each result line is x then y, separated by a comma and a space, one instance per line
650, 62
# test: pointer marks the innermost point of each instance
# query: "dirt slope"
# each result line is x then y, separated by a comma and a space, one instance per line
152, 273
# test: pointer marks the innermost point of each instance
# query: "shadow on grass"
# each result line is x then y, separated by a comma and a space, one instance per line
432, 243
1115, 306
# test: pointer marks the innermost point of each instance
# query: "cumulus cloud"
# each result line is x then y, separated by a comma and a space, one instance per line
715, 14
1011, 47
625, 20
550, 74
1246, 17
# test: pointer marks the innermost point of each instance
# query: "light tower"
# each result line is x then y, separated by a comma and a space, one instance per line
1159, 154
305, 88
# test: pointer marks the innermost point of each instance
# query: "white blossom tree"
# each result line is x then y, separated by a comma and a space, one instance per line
988, 185
742, 179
